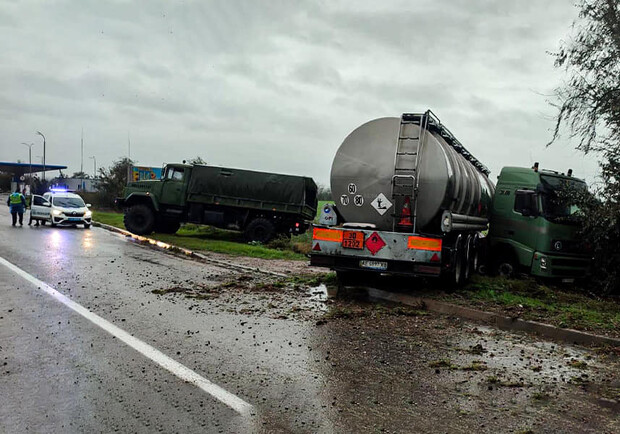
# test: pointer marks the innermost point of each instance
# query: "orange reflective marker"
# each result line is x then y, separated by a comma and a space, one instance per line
422, 243
327, 235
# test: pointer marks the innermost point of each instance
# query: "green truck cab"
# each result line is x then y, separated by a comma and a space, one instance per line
260, 204
532, 229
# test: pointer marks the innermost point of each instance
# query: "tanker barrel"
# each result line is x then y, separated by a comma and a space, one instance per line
448, 177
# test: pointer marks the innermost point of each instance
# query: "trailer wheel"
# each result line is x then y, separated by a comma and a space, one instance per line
471, 258
455, 277
259, 229
139, 219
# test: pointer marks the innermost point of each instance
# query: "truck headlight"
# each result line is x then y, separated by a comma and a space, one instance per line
543, 263
56, 212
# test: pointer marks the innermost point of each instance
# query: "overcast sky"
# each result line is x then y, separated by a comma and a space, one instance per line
276, 85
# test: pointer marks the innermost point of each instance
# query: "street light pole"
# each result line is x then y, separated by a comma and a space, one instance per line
41, 134
95, 164
30, 145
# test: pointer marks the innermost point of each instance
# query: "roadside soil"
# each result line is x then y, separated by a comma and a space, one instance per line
285, 266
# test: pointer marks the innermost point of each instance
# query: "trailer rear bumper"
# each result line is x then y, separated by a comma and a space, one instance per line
352, 263
376, 251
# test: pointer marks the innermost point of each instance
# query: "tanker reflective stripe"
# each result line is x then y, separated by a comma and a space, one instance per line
358, 200
422, 243
15, 199
381, 204
327, 235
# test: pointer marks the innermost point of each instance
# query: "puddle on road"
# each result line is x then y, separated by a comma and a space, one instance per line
513, 360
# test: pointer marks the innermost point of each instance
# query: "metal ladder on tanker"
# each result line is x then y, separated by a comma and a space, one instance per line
406, 160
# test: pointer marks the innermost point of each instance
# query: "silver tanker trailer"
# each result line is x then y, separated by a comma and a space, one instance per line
409, 199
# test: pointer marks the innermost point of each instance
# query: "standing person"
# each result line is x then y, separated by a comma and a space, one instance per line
17, 204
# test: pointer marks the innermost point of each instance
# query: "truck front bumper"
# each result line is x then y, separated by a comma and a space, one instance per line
561, 267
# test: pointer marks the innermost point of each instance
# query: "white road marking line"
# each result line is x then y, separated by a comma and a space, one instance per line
181, 371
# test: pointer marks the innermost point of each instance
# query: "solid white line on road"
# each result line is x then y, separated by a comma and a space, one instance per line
181, 371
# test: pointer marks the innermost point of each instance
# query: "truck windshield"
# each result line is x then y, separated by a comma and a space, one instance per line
558, 195
68, 202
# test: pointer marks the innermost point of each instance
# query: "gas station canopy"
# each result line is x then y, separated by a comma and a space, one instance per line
19, 169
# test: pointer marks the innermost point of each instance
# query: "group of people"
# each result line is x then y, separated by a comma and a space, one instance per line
17, 206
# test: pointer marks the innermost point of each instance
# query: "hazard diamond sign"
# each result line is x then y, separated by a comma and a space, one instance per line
374, 243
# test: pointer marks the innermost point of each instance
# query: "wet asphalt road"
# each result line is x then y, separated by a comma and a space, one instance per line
377, 372
63, 373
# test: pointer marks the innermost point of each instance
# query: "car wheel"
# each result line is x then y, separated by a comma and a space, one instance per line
139, 219
86, 225
259, 229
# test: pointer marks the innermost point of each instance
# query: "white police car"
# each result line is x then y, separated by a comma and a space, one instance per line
61, 208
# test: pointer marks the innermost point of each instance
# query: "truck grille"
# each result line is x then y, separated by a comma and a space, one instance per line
570, 262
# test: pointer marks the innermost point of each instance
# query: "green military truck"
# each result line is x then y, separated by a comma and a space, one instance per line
532, 228
260, 204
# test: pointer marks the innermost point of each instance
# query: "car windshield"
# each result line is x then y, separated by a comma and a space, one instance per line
68, 202
558, 198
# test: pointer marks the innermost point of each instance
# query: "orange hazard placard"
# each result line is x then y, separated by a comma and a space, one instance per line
353, 240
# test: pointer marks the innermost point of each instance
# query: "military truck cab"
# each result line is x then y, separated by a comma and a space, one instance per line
532, 229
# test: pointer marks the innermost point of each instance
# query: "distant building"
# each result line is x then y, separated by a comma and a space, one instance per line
76, 184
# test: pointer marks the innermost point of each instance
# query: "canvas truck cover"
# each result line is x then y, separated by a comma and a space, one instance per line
251, 189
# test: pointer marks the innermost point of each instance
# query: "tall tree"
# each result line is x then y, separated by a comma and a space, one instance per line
197, 160
112, 180
589, 107
589, 101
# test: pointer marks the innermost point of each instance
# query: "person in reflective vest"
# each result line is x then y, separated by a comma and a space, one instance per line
17, 204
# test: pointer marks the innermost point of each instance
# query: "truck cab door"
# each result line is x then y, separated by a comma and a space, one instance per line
40, 208
173, 189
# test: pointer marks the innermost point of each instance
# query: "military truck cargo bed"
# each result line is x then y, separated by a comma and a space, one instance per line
260, 204
251, 189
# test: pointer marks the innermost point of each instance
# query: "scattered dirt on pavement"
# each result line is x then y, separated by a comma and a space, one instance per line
284, 266
401, 369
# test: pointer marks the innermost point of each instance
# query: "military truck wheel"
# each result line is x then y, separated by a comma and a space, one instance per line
139, 219
167, 227
260, 229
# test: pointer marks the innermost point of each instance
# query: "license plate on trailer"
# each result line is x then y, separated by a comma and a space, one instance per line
74, 219
569, 280
373, 265
353, 240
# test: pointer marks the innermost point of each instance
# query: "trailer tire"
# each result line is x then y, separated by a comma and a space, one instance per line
139, 219
260, 229
468, 251
455, 277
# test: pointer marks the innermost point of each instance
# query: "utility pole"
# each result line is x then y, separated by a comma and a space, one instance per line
94, 164
41, 134
30, 145
82, 160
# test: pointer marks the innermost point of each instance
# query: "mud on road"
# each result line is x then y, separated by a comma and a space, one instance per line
393, 369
